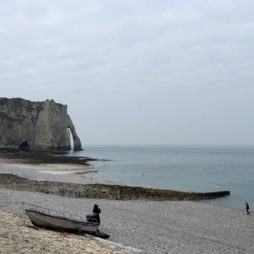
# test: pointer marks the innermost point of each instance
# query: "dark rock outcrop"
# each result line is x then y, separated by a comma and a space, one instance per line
102, 191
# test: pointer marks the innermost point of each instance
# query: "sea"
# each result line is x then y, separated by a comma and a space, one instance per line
182, 168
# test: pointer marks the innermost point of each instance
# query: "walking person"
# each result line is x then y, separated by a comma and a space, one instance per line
247, 208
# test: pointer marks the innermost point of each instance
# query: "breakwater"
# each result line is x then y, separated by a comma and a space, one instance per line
101, 191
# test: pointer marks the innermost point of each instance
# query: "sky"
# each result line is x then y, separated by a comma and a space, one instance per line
136, 72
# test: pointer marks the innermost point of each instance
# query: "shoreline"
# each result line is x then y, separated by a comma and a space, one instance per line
60, 175
45, 158
100, 191
143, 224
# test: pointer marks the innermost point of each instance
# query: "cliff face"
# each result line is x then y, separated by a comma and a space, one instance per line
36, 125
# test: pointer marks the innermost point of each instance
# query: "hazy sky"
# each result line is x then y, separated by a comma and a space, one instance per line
136, 72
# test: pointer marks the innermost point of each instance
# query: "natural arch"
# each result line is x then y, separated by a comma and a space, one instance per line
76, 140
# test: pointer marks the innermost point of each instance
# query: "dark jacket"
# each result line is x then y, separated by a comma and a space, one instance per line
97, 211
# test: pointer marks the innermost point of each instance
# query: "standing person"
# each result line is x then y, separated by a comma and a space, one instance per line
97, 211
247, 208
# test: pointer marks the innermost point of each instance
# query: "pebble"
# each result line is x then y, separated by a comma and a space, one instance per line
18, 235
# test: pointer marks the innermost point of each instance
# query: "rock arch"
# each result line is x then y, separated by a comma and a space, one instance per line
76, 139
43, 125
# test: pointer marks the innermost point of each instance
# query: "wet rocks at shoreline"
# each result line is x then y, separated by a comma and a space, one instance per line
45, 158
101, 191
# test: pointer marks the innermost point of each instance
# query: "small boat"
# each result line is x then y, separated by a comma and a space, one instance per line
60, 223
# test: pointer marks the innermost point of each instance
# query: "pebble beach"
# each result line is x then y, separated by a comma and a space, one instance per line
17, 235
134, 226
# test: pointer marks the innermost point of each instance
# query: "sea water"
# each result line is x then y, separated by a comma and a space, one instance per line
182, 168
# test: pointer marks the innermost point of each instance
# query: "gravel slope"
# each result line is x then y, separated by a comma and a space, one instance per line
17, 235
154, 226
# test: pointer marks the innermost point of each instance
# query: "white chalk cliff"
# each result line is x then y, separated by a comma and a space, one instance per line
37, 125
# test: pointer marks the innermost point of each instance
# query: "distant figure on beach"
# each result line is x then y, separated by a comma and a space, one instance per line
97, 211
247, 208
